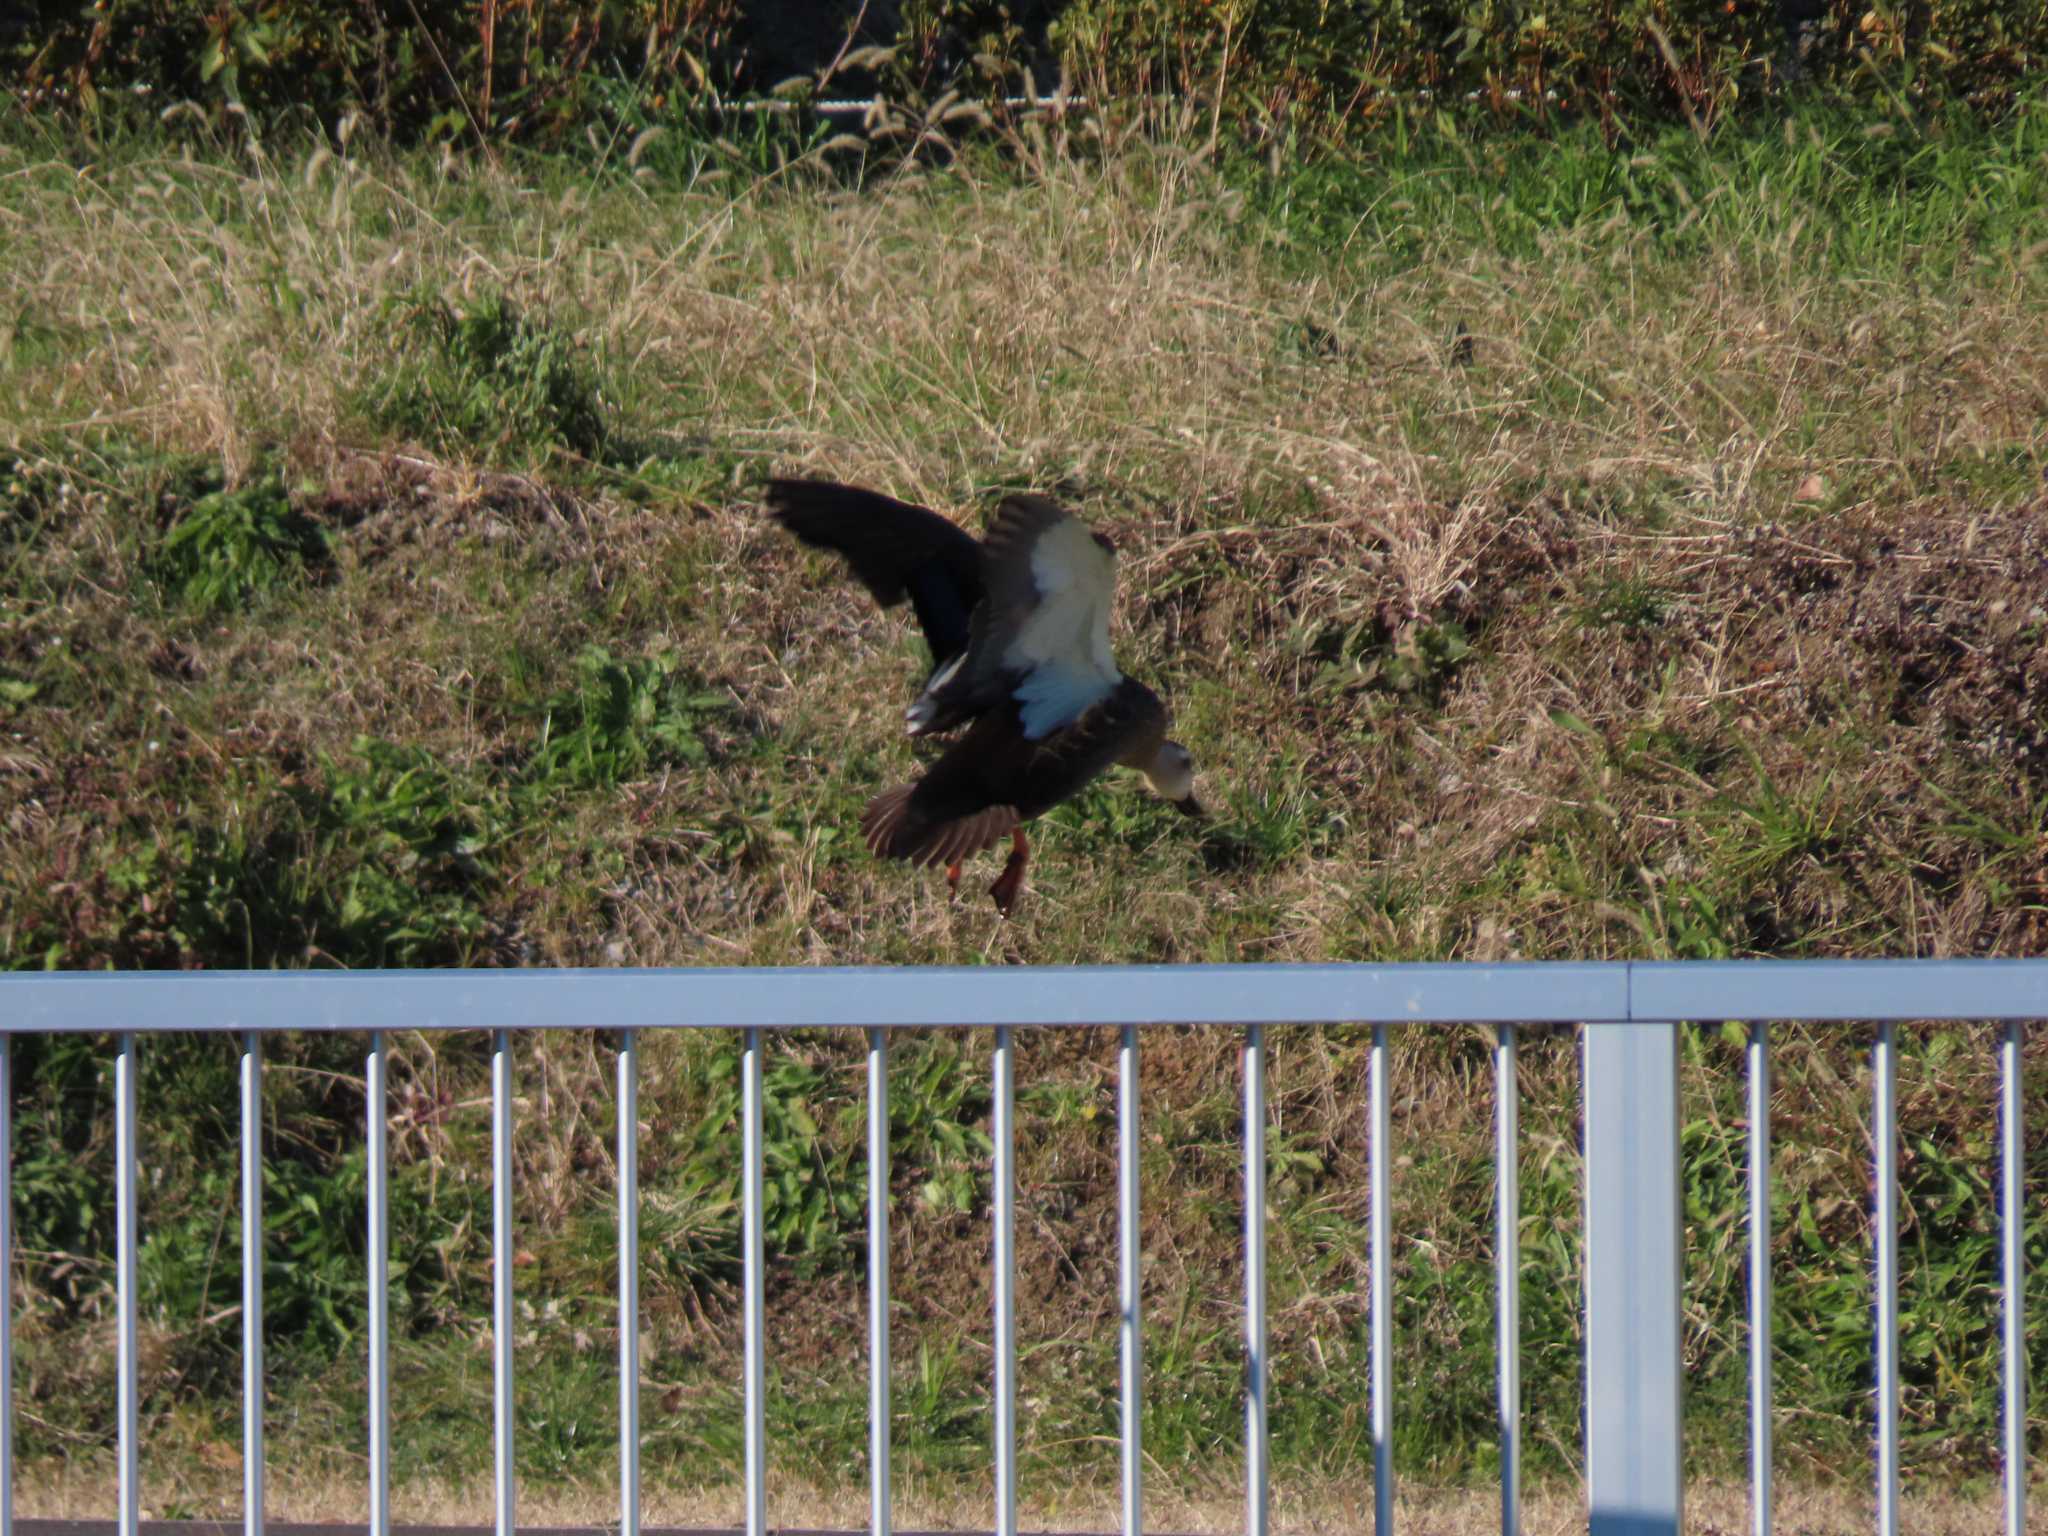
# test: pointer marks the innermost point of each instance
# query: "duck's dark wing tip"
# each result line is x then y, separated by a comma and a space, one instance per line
801, 504
893, 547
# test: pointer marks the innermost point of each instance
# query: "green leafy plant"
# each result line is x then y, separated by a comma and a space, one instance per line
622, 718
488, 380
232, 546
437, 70
1623, 604
814, 1188
377, 864
811, 1188
935, 1101
410, 839
1418, 661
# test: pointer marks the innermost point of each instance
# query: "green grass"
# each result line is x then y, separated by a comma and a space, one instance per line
489, 381
380, 585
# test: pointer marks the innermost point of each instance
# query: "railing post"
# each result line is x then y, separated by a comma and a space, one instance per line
1380, 1221
2012, 1176
1884, 1114
1507, 1166
1257, 1373
252, 1283
129, 1389
880, 1520
502, 1398
1759, 1279
629, 1282
1130, 1284
1004, 1124
1634, 1471
375, 1127
753, 1209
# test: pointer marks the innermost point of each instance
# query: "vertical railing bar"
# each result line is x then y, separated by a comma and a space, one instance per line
501, 1277
752, 1220
125, 1216
1005, 1285
2011, 1194
629, 1282
1507, 1151
1256, 1376
1760, 1278
1886, 1134
879, 1518
378, 1260
1382, 1290
1131, 1300
252, 1283
1633, 1264
6, 1285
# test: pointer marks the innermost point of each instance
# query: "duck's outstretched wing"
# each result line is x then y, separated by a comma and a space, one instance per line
894, 549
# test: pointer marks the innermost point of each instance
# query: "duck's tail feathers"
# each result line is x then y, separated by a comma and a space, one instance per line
894, 830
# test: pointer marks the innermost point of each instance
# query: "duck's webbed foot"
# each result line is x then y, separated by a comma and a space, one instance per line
953, 881
1011, 881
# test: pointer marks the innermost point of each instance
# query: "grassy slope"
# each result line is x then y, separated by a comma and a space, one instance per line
1699, 612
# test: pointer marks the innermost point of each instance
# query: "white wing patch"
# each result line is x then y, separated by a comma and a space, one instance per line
1062, 649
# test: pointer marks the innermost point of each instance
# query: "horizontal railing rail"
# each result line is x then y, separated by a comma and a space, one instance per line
1528, 992
1629, 1012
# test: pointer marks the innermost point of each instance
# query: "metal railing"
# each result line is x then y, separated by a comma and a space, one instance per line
1632, 1199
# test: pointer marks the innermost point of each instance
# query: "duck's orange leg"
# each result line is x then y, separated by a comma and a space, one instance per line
953, 881
1011, 880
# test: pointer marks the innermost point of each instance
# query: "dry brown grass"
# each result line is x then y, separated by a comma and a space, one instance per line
1711, 1508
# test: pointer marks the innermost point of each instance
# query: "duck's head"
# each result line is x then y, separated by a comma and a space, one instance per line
1171, 773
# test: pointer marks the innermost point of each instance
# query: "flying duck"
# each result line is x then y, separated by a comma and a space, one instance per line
1018, 624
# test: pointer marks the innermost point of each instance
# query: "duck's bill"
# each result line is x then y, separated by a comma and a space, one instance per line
1189, 807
